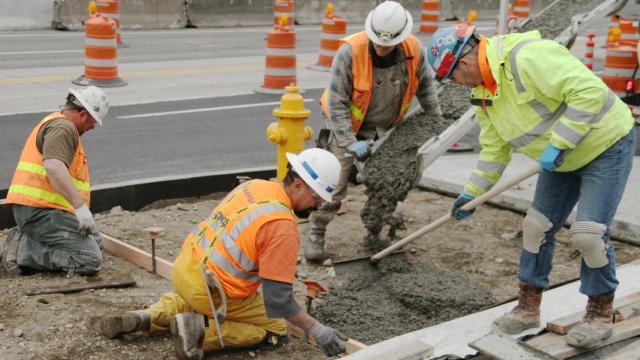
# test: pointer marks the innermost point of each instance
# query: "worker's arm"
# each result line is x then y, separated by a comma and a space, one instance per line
62, 182
340, 90
494, 158
427, 92
562, 77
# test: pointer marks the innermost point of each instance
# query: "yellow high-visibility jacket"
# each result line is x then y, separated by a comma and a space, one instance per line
544, 96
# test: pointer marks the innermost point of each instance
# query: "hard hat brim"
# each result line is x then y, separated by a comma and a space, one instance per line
396, 40
299, 169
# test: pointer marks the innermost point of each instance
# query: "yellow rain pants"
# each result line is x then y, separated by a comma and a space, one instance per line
246, 323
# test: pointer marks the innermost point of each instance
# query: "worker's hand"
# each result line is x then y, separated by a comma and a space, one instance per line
460, 201
85, 220
549, 158
330, 340
360, 149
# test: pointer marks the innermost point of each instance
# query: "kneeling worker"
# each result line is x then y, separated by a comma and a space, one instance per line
50, 193
250, 238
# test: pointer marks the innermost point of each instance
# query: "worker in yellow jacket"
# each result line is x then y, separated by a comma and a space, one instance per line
375, 76
250, 239
50, 193
533, 96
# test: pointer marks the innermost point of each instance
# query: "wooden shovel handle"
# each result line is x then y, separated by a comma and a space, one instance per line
499, 188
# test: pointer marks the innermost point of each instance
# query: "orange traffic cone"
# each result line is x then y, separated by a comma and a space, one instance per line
334, 28
280, 61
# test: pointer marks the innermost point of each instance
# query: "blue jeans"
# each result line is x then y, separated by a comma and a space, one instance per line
597, 188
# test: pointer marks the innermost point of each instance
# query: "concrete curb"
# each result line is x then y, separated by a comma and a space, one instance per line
133, 195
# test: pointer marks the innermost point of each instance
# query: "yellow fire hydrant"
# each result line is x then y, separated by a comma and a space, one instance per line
289, 133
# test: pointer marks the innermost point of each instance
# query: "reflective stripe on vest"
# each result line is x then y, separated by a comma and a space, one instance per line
362, 71
30, 185
549, 117
228, 256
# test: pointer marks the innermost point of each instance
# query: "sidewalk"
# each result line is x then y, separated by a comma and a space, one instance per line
449, 174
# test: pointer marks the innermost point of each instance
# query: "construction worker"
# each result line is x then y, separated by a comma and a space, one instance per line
374, 76
533, 96
50, 193
250, 239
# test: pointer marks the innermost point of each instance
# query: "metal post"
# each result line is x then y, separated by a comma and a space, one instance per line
153, 255
502, 17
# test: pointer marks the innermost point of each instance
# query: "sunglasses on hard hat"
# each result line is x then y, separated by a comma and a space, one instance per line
387, 36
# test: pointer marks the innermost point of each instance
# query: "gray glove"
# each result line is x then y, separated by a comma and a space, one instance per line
85, 220
329, 339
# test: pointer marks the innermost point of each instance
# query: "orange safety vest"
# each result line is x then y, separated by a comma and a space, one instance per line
31, 186
226, 240
362, 70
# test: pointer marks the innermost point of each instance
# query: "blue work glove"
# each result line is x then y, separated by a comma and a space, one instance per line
360, 149
549, 158
460, 201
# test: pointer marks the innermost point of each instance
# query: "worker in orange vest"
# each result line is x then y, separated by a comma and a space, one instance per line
50, 193
250, 239
374, 77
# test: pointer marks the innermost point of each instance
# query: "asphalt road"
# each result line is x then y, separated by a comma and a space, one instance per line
169, 138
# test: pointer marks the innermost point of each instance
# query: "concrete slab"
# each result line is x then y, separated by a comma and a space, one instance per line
26, 14
449, 174
453, 336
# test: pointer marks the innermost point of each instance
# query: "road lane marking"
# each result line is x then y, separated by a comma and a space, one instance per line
144, 74
39, 52
217, 108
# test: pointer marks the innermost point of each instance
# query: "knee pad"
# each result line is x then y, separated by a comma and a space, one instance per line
586, 236
534, 228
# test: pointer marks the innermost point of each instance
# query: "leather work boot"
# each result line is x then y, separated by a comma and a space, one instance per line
314, 248
131, 321
596, 325
9, 252
188, 328
525, 315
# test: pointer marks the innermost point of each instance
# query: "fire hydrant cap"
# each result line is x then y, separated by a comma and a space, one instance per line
291, 104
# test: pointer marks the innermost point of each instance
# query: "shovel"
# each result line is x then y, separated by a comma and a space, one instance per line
395, 248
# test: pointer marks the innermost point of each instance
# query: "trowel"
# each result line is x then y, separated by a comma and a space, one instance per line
367, 263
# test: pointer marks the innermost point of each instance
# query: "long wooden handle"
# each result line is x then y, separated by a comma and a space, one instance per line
499, 188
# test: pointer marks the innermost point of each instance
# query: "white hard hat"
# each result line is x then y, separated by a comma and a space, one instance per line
94, 100
318, 168
388, 24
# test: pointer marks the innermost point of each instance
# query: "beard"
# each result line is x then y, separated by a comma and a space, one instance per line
305, 213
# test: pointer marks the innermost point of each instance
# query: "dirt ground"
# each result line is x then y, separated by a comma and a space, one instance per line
482, 251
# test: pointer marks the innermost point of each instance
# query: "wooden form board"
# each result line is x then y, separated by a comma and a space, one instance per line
502, 347
564, 324
164, 269
555, 345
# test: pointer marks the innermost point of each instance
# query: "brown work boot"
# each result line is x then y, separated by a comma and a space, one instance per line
188, 328
9, 252
131, 321
525, 315
314, 248
596, 325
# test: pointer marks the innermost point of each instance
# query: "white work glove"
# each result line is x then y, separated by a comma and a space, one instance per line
85, 220
329, 339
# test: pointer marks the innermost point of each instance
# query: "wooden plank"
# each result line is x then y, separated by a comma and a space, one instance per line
71, 288
415, 350
631, 351
555, 345
164, 269
502, 347
136, 256
564, 324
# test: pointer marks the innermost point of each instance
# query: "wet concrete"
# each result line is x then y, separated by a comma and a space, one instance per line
390, 172
553, 20
399, 298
